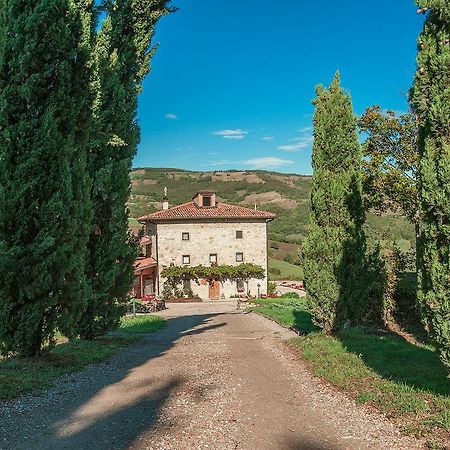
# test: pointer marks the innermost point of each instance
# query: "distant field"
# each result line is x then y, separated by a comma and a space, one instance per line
281, 270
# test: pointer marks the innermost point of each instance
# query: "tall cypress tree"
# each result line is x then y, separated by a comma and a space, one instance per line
2, 21
431, 100
45, 210
334, 250
122, 58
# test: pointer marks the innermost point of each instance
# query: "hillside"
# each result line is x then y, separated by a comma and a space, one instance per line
285, 194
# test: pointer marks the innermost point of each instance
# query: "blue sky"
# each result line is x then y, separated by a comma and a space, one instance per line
232, 81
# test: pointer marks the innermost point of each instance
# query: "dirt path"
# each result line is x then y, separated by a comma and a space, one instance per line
212, 379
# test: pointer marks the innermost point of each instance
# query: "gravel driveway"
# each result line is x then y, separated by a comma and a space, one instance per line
214, 378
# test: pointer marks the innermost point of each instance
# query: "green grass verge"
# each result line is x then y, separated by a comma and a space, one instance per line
407, 382
22, 375
289, 312
141, 324
282, 270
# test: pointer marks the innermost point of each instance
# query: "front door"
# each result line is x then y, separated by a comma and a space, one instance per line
214, 290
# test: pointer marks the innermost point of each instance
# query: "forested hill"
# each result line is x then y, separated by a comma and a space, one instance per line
285, 194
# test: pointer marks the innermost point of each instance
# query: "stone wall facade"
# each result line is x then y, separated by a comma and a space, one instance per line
206, 238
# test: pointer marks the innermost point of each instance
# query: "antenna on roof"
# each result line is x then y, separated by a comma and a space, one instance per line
165, 204
256, 209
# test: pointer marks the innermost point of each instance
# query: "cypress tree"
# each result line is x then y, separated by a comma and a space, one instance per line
44, 193
122, 58
430, 98
334, 250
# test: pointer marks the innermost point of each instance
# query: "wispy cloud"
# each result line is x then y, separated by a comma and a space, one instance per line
300, 142
306, 129
223, 162
267, 138
236, 134
268, 162
171, 116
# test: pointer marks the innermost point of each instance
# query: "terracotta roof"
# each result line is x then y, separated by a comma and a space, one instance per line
144, 263
190, 210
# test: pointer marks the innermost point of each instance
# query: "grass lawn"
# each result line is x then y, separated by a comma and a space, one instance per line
282, 270
141, 324
289, 312
407, 382
21, 375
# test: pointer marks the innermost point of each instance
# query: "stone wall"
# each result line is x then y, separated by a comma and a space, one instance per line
212, 238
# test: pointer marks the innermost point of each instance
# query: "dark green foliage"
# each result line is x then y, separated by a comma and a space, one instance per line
122, 56
2, 27
390, 296
44, 206
334, 250
431, 99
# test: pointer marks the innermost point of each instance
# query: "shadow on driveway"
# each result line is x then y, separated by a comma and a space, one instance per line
71, 418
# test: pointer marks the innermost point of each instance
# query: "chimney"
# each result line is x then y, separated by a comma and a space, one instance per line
165, 204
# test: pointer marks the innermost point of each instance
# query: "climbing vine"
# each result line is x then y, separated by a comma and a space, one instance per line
178, 274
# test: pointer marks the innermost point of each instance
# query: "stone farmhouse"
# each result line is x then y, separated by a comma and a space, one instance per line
203, 231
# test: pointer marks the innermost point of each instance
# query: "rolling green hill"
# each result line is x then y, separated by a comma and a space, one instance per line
287, 195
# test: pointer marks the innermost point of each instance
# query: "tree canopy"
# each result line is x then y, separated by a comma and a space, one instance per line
390, 163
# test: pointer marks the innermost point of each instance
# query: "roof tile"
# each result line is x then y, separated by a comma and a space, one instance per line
144, 263
190, 210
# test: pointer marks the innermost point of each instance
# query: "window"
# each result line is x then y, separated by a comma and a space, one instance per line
213, 258
239, 257
207, 200
186, 259
239, 234
185, 236
240, 285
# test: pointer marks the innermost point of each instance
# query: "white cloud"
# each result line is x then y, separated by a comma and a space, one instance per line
268, 162
236, 134
299, 143
236, 137
171, 116
306, 129
222, 162
267, 138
